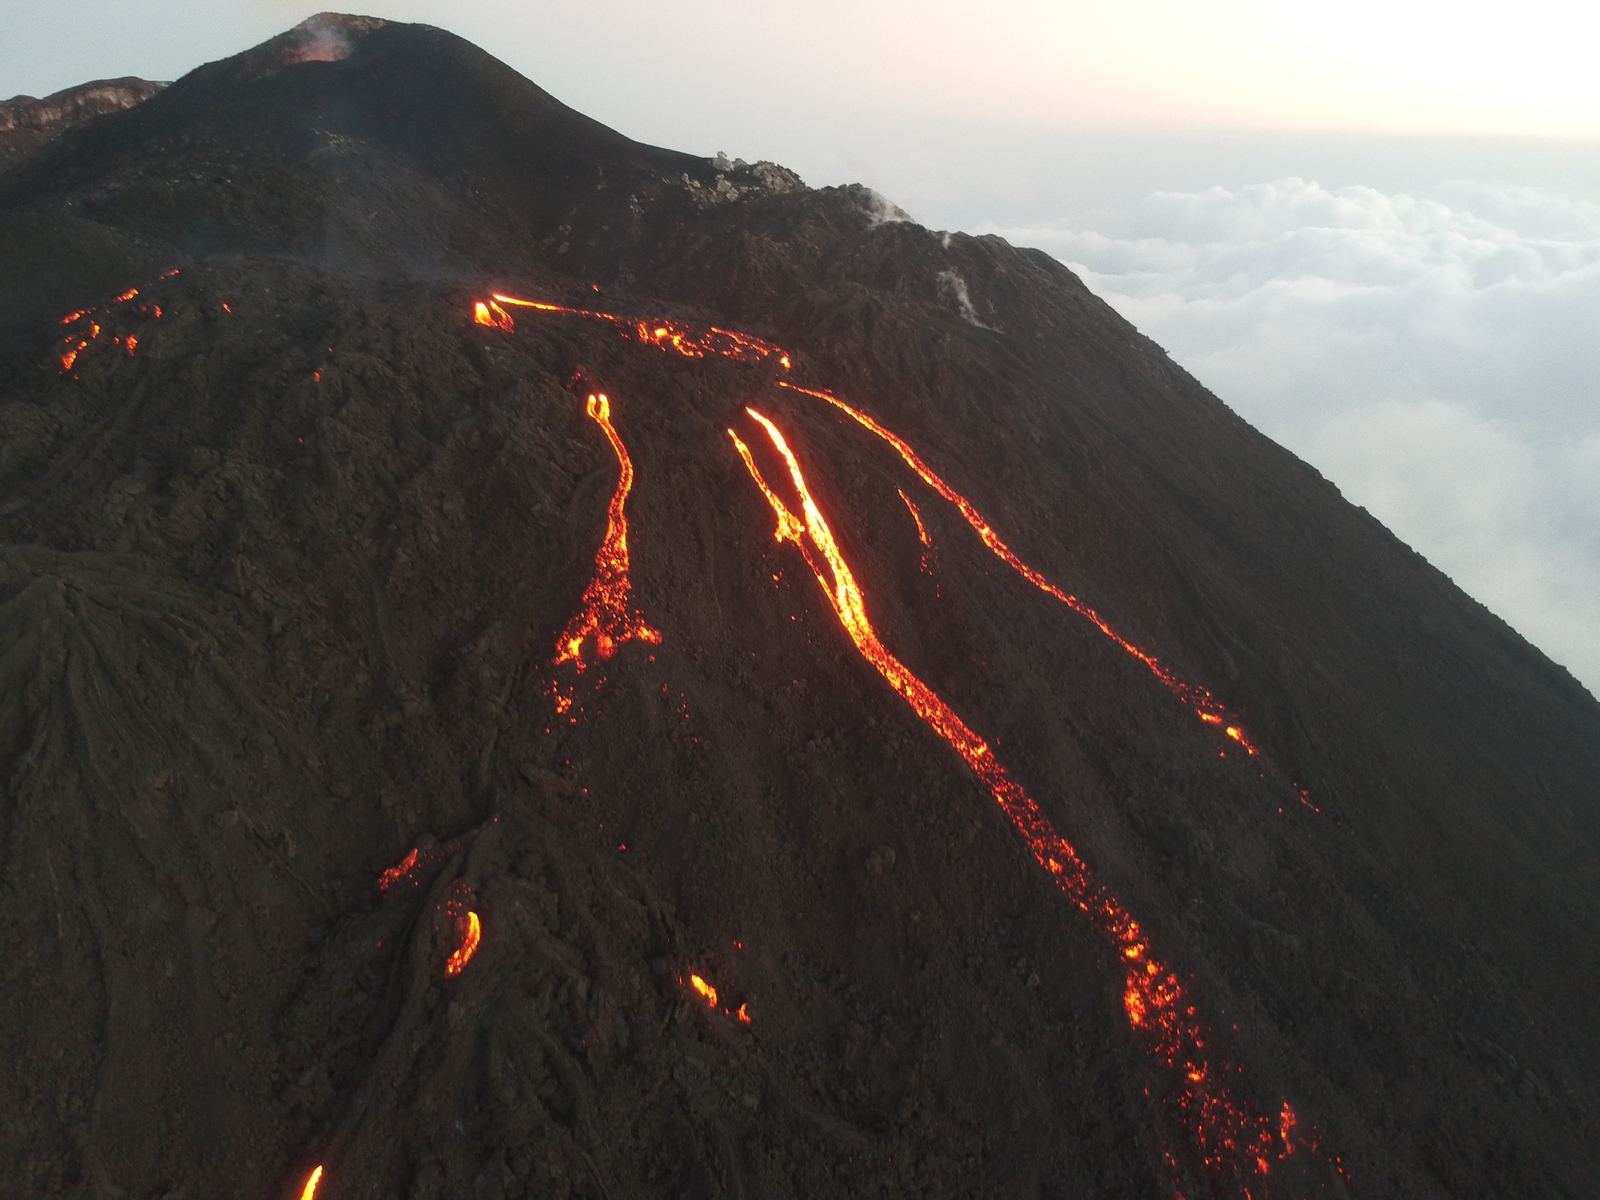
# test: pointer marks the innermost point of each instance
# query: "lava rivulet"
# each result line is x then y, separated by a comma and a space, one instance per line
922, 532
458, 912
471, 933
1231, 1142
1197, 698
651, 331
606, 613
309, 1192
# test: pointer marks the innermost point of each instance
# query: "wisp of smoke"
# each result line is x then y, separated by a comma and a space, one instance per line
322, 38
883, 210
951, 282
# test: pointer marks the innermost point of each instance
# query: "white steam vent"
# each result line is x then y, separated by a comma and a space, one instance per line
326, 37
956, 286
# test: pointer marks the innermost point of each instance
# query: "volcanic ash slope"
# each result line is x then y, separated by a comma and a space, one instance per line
320, 849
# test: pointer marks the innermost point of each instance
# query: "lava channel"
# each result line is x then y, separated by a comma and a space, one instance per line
1195, 697
457, 911
922, 532
1232, 1143
651, 331
606, 612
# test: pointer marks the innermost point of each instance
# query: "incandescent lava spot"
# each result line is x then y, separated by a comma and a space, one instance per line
707, 992
708, 995
492, 315
411, 870
85, 326
458, 913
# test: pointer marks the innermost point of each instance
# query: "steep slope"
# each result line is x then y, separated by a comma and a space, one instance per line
402, 743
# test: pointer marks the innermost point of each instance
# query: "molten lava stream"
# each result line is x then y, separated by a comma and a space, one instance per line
1230, 1141
606, 613
652, 331
1197, 698
746, 348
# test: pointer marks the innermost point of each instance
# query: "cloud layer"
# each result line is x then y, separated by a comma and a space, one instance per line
1438, 358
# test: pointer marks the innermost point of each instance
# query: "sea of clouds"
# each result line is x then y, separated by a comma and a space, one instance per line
1438, 358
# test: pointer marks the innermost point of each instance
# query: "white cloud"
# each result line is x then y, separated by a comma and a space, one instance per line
1438, 358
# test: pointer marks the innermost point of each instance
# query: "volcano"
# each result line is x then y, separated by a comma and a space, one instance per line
539, 665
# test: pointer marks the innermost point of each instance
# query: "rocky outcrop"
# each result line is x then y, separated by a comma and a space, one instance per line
27, 124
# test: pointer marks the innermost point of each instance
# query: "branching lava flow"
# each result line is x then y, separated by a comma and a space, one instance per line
743, 347
1232, 1143
1199, 699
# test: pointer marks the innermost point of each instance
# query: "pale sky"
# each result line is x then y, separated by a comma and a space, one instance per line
1396, 65
1373, 228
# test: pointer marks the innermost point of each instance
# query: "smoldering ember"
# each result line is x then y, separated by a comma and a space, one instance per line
538, 665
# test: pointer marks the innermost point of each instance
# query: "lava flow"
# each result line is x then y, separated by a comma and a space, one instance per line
605, 611
455, 908
411, 869
309, 1192
922, 532
708, 994
1197, 698
1232, 1142
469, 930
743, 347
88, 328
652, 331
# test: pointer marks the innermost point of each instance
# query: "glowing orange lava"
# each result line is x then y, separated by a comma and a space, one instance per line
1230, 1140
606, 613
658, 332
741, 347
710, 997
707, 992
1204, 705
415, 866
922, 532
401, 870
471, 934
469, 930
313, 1180
493, 315
77, 342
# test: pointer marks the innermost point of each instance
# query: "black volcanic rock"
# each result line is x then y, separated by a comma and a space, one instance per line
282, 582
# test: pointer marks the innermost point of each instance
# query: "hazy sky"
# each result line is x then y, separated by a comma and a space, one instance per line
1372, 228
1429, 65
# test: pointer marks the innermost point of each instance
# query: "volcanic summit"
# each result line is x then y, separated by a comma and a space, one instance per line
539, 665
